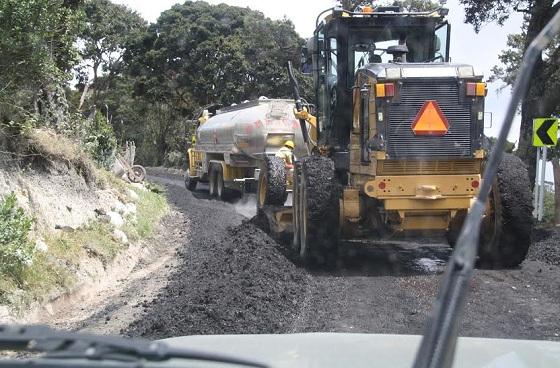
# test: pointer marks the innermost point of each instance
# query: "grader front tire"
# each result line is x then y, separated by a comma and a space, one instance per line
318, 211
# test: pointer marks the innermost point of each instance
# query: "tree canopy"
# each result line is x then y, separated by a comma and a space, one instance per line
37, 50
197, 53
543, 98
107, 29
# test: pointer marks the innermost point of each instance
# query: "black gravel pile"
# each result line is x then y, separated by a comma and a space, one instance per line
547, 247
241, 284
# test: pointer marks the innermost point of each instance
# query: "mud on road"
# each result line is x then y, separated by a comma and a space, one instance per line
229, 277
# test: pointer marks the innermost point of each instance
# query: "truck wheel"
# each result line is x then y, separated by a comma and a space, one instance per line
272, 183
220, 187
318, 206
506, 230
212, 180
137, 174
190, 182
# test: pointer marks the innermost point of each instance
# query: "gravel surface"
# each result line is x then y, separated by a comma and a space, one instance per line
236, 279
228, 276
547, 247
240, 284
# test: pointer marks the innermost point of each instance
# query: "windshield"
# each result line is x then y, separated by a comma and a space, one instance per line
374, 46
264, 183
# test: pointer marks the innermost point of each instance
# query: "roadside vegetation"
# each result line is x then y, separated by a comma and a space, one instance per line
34, 270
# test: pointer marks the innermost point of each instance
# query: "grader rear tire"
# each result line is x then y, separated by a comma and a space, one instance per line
317, 205
271, 189
506, 230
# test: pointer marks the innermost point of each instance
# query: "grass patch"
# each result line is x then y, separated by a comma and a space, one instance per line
151, 207
53, 146
96, 240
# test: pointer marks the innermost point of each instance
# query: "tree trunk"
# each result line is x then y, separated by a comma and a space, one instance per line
556, 171
83, 97
532, 105
96, 65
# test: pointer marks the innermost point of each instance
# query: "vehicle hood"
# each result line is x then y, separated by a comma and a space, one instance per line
369, 350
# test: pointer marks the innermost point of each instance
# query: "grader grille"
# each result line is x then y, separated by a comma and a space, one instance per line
401, 140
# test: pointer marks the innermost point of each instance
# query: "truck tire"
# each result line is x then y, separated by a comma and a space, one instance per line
506, 230
136, 174
220, 186
190, 182
212, 180
318, 211
272, 183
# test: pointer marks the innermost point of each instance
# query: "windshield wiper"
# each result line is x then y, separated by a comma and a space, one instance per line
437, 348
68, 345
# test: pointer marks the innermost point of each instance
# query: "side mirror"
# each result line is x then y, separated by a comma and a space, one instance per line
307, 53
307, 67
306, 61
304, 55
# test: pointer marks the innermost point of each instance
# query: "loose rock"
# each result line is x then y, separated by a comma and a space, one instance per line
120, 236
115, 219
41, 246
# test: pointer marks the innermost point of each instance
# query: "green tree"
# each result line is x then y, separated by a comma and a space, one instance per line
37, 52
197, 54
103, 39
543, 98
544, 95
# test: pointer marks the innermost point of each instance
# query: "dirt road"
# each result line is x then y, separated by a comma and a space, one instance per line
224, 275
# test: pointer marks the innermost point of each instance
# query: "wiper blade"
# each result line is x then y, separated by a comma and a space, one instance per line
437, 348
69, 345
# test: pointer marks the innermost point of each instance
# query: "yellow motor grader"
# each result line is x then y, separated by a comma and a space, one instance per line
396, 140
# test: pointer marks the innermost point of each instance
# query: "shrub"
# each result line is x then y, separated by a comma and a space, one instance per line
174, 159
549, 206
100, 141
16, 251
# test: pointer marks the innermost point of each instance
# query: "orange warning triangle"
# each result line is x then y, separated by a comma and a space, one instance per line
430, 120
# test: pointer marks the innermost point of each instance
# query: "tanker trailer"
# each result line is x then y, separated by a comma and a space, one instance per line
231, 146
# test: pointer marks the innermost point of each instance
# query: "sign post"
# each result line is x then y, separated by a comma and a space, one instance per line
541, 185
536, 191
545, 134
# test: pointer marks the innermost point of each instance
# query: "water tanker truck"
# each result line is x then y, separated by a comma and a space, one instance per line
231, 147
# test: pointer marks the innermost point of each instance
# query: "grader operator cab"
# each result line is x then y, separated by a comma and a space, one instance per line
396, 140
